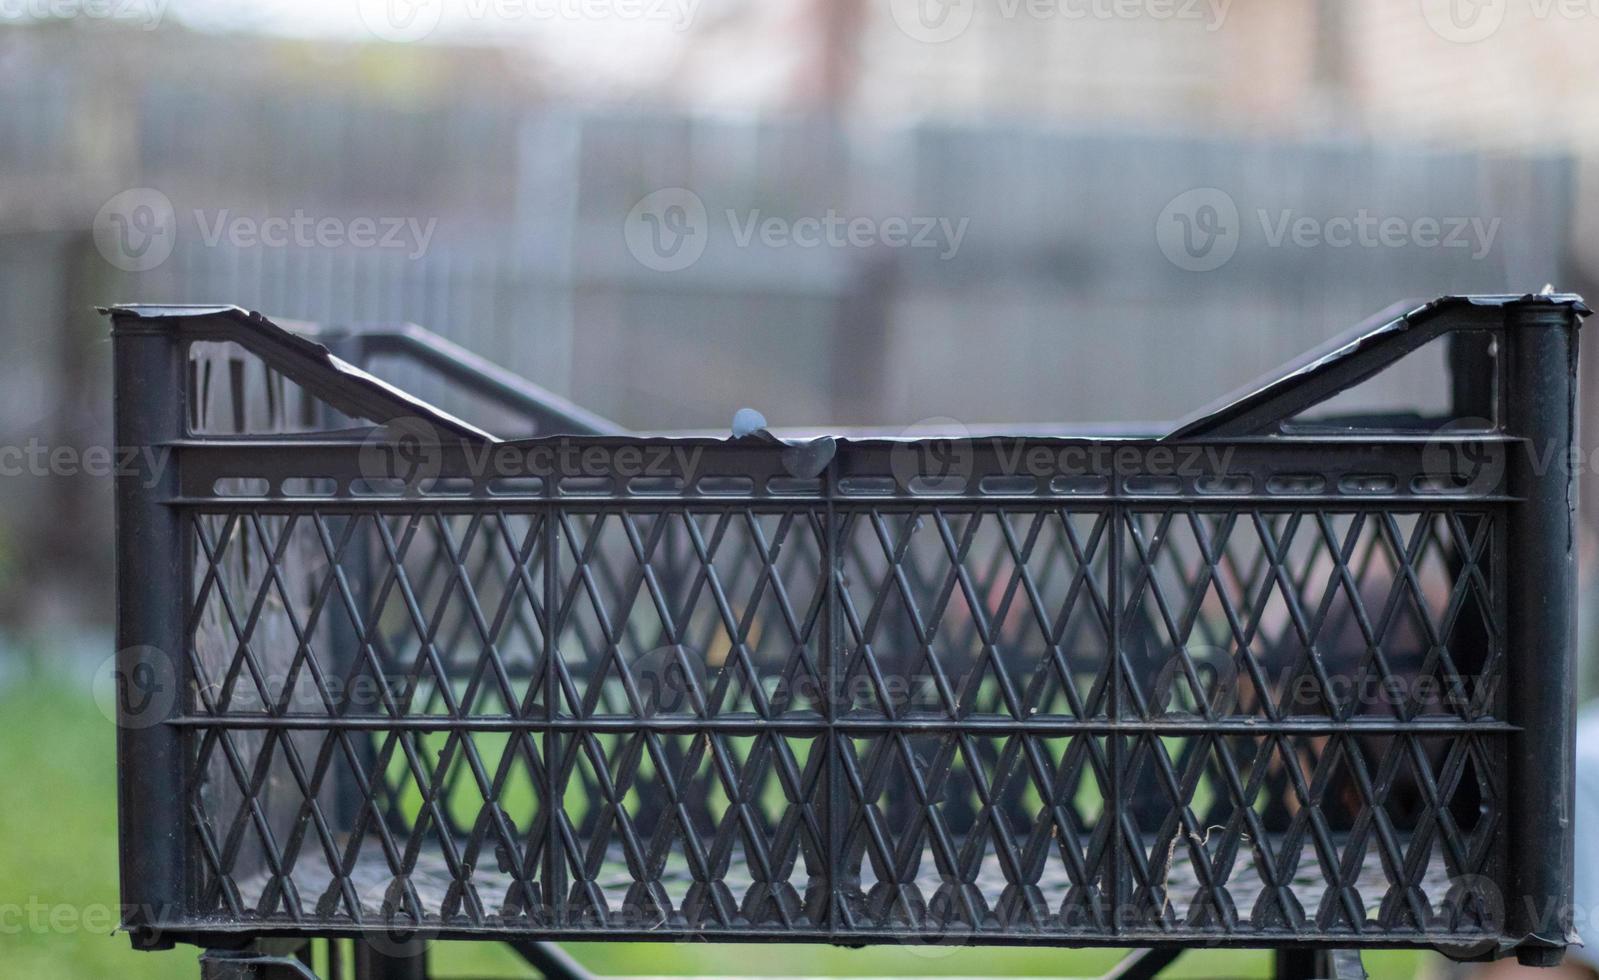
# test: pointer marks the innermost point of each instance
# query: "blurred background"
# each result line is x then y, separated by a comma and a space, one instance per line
841, 212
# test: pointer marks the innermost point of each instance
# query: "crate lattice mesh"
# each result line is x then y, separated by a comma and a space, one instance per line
814, 720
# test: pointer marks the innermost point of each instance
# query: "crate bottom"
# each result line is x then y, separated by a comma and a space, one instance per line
384, 897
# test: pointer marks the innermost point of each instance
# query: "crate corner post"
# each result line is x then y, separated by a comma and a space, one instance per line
1540, 418
150, 396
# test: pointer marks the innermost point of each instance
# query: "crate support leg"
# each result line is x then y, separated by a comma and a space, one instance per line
404, 964
552, 962
1144, 964
1318, 964
1299, 964
266, 960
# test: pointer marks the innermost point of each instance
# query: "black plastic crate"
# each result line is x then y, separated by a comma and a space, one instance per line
1259, 680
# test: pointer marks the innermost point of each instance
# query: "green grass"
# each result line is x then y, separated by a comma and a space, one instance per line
58, 886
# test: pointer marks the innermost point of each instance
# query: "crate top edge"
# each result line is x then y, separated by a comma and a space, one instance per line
1381, 328
296, 355
363, 395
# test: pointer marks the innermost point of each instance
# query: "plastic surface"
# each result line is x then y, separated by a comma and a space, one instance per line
1235, 685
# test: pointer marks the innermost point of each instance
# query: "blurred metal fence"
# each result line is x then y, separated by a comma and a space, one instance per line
1058, 231
1059, 269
